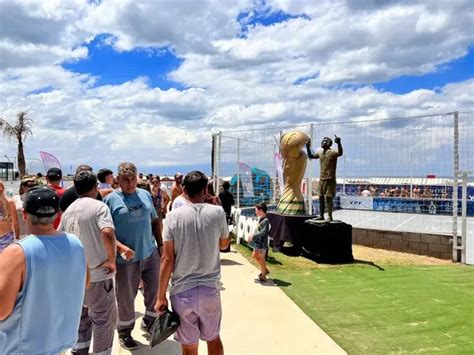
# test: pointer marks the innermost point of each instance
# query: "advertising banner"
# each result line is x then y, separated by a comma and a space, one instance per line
357, 203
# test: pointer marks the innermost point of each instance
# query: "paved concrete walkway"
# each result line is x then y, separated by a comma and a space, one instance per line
257, 319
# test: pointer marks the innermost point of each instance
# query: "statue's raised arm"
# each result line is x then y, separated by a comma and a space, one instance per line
337, 140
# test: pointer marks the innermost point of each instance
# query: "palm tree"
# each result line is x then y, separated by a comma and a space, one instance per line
19, 132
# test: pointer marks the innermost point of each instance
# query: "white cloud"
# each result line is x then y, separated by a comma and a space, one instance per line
183, 25
41, 33
231, 82
132, 121
340, 45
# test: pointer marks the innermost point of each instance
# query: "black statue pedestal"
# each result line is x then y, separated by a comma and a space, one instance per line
327, 242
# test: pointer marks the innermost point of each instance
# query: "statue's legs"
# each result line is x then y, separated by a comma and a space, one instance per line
321, 207
329, 200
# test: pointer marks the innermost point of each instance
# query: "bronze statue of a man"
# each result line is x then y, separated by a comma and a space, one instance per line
327, 180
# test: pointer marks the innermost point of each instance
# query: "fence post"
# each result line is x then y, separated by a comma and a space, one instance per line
464, 217
310, 176
344, 179
275, 178
411, 174
238, 172
217, 163
455, 185
213, 156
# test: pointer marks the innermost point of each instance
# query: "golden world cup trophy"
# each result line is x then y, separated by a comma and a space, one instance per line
294, 167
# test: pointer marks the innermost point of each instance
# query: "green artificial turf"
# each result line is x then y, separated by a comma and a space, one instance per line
383, 309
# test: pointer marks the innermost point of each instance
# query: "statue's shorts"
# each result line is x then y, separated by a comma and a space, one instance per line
327, 188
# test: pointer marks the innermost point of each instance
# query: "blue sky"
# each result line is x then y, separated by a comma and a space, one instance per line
113, 68
263, 16
455, 71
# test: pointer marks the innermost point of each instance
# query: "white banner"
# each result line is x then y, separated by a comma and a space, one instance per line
246, 179
357, 203
279, 172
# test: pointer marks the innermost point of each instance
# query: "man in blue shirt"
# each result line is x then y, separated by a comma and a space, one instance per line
137, 231
42, 282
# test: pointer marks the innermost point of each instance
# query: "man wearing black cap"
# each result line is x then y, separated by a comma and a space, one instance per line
37, 315
54, 177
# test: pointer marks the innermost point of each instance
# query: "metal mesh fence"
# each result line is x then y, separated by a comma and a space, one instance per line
466, 142
401, 164
250, 156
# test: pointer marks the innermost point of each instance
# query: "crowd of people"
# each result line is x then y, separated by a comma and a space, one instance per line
403, 191
73, 260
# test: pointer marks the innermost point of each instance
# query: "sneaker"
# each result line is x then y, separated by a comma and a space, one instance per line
146, 328
80, 352
127, 342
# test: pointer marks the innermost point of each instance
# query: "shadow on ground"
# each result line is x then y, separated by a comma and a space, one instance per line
169, 347
227, 262
280, 283
272, 261
370, 263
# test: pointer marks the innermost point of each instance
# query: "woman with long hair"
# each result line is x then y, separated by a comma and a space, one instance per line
9, 226
25, 185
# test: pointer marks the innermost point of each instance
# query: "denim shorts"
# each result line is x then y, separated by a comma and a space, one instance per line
6, 240
200, 313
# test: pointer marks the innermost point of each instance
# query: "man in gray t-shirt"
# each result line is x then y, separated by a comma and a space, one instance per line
193, 235
92, 222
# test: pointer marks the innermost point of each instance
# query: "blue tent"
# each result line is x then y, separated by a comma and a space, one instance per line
262, 188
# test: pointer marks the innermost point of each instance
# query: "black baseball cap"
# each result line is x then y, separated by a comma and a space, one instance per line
41, 202
54, 174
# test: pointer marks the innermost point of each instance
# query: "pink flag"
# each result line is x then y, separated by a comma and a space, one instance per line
49, 161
